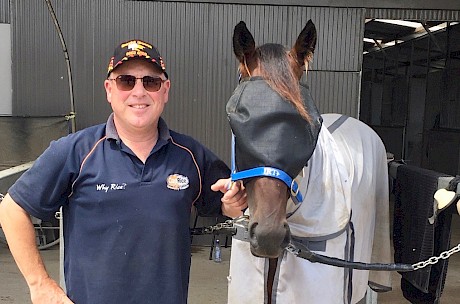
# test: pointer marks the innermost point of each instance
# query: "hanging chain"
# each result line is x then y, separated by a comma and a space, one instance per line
433, 260
228, 224
226, 227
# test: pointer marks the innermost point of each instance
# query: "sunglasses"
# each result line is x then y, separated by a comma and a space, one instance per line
127, 82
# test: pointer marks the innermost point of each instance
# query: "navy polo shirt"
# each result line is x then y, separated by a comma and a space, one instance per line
126, 223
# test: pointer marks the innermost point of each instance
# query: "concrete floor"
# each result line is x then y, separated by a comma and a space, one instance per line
208, 282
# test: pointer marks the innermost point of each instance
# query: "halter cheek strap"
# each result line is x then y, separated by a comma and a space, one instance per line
266, 172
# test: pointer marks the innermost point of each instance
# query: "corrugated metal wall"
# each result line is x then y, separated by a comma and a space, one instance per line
413, 14
39, 70
194, 38
4, 11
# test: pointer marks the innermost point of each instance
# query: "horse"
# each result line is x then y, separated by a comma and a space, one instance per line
336, 165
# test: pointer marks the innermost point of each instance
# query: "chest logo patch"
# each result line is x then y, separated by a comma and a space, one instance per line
177, 182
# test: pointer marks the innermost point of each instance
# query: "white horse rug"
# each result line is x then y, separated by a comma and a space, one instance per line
346, 178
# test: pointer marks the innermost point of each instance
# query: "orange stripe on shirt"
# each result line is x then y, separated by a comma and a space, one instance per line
196, 165
84, 160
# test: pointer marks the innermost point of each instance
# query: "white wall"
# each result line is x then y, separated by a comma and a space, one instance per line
6, 84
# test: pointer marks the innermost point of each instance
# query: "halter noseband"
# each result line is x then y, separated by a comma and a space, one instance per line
266, 172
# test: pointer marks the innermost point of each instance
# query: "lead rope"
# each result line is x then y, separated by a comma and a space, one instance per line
301, 251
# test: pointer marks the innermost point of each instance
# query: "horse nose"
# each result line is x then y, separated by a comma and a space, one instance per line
268, 240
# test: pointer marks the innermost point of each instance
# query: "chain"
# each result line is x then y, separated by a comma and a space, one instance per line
229, 224
433, 260
220, 226
225, 227
1, 197
242, 219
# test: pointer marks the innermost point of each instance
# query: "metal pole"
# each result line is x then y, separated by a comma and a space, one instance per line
71, 116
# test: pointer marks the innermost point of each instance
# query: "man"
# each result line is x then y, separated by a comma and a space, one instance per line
126, 188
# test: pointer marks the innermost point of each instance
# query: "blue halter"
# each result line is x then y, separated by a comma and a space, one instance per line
266, 172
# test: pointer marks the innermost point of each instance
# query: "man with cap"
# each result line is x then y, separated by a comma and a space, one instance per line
127, 188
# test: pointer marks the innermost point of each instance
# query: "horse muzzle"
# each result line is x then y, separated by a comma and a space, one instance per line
267, 241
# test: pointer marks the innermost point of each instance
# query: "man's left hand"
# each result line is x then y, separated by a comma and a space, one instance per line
234, 199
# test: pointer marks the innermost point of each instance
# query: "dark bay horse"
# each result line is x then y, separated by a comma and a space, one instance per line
335, 165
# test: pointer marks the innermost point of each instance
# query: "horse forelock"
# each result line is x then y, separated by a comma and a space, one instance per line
276, 66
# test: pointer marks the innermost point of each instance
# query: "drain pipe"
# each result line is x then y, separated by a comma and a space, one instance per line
71, 115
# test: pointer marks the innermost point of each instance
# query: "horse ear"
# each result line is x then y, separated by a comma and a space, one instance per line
305, 45
243, 43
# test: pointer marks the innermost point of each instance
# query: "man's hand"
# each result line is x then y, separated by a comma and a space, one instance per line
234, 199
48, 292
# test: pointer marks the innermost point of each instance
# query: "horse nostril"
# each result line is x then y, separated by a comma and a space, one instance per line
252, 230
287, 236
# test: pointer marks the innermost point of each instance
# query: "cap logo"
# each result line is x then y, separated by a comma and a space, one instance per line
136, 53
135, 48
136, 45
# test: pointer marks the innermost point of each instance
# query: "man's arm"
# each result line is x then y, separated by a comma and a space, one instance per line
20, 235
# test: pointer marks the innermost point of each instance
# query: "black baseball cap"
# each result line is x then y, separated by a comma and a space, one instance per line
136, 49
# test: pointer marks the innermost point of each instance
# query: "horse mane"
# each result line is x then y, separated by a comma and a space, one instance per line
275, 68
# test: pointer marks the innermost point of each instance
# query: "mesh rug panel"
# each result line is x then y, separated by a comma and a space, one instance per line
414, 238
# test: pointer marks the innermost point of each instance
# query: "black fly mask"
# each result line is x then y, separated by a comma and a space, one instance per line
268, 130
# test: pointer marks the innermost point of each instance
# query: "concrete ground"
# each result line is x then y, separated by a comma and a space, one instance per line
208, 283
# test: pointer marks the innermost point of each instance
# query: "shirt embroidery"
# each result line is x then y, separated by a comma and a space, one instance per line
110, 187
177, 182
